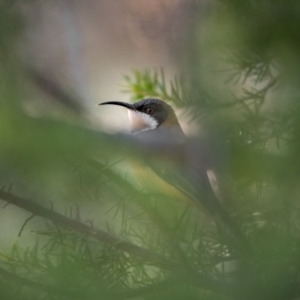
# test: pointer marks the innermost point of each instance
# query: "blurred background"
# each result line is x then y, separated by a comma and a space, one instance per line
231, 71
87, 48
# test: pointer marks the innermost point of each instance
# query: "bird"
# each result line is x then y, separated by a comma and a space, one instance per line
169, 165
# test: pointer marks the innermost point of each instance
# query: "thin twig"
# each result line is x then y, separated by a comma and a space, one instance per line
24, 224
5, 205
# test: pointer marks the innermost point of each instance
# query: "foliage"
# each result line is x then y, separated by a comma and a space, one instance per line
98, 235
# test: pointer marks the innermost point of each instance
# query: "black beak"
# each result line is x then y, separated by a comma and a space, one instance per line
124, 104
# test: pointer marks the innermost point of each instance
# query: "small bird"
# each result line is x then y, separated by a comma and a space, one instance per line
171, 168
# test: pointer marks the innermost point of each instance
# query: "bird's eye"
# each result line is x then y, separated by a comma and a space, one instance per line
149, 110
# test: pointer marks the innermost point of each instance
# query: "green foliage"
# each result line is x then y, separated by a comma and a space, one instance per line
98, 235
152, 83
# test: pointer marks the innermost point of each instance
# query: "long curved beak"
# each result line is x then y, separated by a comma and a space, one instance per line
124, 104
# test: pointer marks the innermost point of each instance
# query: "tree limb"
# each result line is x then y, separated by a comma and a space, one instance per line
98, 234
186, 275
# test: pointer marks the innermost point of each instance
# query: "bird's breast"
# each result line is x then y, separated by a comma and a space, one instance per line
151, 182
140, 122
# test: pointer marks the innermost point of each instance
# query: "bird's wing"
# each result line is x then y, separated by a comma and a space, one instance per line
194, 185
187, 175
167, 154
197, 187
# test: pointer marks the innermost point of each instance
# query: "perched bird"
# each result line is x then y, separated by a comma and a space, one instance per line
170, 165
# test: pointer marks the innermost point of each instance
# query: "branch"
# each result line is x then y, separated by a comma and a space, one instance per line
98, 234
186, 275
79, 294
23, 226
258, 93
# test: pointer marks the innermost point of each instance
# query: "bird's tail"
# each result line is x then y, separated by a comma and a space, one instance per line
225, 219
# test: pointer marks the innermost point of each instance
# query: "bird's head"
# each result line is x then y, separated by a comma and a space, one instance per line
148, 114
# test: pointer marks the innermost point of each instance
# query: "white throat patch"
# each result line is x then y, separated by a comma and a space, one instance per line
140, 121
